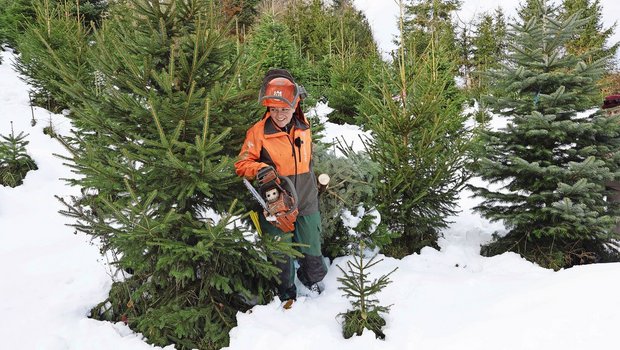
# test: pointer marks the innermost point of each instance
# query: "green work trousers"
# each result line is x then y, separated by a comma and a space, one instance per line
312, 268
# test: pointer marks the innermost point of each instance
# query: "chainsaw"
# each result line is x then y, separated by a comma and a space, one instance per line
278, 198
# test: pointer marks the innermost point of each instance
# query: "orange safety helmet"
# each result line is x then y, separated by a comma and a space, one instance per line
280, 90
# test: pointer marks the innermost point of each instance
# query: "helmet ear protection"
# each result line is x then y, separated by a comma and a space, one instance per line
280, 90
302, 92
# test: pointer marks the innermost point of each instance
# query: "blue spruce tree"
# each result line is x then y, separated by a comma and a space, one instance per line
556, 153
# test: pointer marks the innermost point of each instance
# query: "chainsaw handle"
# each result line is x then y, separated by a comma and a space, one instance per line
292, 191
266, 174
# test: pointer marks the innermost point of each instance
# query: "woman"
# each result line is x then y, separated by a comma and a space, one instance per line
281, 144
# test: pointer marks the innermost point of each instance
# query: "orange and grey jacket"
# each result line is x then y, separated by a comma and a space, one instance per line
289, 153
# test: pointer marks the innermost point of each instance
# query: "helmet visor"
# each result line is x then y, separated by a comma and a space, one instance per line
279, 92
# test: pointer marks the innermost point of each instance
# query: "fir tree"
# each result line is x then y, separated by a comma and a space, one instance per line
351, 57
271, 45
420, 141
366, 312
488, 53
351, 31
347, 79
465, 52
426, 21
352, 188
53, 28
14, 14
489, 42
319, 32
242, 12
153, 148
593, 38
310, 25
15, 162
334, 45
89, 12
554, 156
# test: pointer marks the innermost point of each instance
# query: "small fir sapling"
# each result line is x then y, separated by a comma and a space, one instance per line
14, 161
356, 285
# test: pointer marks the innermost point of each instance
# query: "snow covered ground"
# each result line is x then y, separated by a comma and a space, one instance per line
447, 299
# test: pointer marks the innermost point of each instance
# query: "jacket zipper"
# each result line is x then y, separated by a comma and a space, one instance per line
294, 158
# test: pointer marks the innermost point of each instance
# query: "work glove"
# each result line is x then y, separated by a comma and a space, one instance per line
266, 175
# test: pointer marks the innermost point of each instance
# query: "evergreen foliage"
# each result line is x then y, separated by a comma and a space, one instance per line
419, 138
89, 12
154, 145
348, 77
592, 38
354, 56
336, 45
426, 21
352, 189
14, 14
366, 312
15, 162
53, 28
488, 52
489, 42
310, 26
554, 157
528, 10
241, 12
271, 45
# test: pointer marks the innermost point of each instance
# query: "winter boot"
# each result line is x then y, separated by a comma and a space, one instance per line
313, 290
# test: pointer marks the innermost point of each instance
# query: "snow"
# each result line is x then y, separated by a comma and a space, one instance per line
338, 134
447, 299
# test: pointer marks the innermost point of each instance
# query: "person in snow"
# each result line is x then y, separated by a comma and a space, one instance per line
280, 144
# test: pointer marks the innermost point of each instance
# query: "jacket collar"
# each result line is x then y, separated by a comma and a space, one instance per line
299, 122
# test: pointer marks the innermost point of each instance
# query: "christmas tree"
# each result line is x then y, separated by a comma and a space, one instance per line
366, 312
351, 191
420, 139
14, 161
553, 158
155, 132
54, 26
